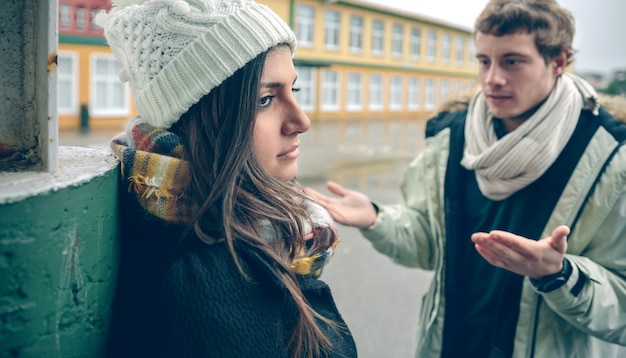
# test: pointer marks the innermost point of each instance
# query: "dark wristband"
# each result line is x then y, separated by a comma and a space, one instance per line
554, 281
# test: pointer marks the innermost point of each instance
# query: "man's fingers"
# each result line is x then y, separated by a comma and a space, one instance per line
561, 231
559, 238
336, 188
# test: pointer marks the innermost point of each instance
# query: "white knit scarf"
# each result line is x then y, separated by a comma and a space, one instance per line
507, 165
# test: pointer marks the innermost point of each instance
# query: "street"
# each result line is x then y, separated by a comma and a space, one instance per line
379, 299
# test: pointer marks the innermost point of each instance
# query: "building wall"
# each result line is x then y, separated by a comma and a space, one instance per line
83, 50
316, 58
59, 254
80, 40
313, 53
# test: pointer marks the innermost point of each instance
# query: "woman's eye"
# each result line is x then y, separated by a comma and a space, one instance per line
295, 89
266, 101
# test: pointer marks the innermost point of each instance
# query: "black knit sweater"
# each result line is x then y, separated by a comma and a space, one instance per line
192, 301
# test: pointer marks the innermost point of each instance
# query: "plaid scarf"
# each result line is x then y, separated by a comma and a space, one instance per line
151, 161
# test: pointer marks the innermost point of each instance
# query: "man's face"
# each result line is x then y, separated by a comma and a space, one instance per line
514, 76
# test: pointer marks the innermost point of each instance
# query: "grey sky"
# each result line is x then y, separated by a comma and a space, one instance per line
600, 26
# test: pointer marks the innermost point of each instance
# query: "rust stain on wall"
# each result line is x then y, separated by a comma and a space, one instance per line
7, 150
52, 62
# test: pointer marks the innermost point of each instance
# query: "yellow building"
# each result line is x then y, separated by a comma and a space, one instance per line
90, 94
355, 60
359, 60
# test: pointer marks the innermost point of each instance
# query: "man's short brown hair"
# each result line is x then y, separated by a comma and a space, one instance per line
551, 25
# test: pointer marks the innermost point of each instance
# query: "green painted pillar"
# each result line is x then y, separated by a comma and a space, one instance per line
58, 256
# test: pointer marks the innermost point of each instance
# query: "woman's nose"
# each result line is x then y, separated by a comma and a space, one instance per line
296, 120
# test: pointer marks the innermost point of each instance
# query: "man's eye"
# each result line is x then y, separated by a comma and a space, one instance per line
266, 101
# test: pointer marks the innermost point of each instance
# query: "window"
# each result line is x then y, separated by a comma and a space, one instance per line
395, 93
430, 94
414, 93
458, 86
431, 51
460, 50
444, 90
376, 92
306, 83
445, 51
67, 83
355, 92
378, 37
397, 37
330, 90
331, 28
356, 33
94, 26
65, 15
305, 25
109, 96
472, 54
81, 18
416, 43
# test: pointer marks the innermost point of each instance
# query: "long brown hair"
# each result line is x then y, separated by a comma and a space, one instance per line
234, 193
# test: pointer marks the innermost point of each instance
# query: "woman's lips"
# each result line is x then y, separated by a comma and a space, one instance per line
291, 153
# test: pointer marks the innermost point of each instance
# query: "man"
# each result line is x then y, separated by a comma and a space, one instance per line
517, 203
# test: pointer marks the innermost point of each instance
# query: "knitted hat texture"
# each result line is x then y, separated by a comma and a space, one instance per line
173, 52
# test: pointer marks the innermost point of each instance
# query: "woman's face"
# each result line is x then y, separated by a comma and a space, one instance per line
279, 119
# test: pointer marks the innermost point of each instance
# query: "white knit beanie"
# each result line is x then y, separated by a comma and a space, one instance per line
173, 52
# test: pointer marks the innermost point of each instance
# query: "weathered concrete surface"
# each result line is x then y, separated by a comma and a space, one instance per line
58, 256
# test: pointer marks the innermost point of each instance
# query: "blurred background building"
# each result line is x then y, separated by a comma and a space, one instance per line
355, 61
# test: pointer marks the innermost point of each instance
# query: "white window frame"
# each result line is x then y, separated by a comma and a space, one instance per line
81, 18
430, 94
460, 50
305, 25
331, 95
356, 33
414, 94
431, 43
94, 26
65, 16
416, 43
396, 91
458, 86
378, 37
71, 78
112, 84
376, 92
307, 84
444, 90
332, 27
397, 39
354, 95
446, 48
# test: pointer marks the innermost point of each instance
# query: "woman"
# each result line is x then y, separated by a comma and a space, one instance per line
226, 259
